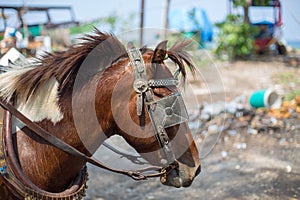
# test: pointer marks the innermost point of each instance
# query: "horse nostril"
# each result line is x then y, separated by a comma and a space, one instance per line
198, 170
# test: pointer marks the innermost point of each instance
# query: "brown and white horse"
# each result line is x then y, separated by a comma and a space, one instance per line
85, 95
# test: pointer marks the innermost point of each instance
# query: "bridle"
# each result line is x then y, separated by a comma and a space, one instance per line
165, 112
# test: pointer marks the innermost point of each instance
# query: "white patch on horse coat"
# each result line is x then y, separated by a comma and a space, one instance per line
42, 104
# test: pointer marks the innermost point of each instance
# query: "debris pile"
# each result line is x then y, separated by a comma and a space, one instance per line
288, 109
237, 114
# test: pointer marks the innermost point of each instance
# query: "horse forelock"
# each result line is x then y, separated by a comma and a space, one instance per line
178, 55
181, 57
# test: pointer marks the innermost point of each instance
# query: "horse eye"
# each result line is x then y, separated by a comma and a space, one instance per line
163, 91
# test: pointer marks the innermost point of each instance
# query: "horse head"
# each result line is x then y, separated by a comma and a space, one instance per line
133, 102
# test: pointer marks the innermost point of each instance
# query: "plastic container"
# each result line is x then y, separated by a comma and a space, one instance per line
267, 98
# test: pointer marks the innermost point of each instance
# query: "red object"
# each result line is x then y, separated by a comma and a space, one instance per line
262, 43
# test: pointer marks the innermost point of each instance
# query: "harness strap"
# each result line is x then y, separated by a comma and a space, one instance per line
144, 94
136, 175
13, 179
140, 83
137, 62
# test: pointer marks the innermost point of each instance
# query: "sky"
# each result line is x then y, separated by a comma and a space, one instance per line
154, 11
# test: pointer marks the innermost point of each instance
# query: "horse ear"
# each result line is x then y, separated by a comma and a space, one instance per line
160, 52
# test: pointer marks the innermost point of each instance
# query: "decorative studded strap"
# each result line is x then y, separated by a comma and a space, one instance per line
140, 83
162, 82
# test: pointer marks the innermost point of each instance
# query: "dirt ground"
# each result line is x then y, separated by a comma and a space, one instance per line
266, 166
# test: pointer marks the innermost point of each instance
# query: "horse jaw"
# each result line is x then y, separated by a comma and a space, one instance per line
182, 176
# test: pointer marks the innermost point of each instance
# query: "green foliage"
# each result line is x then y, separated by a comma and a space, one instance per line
237, 3
262, 2
111, 20
235, 39
83, 28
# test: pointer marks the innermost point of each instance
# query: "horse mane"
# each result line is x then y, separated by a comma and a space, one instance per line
102, 50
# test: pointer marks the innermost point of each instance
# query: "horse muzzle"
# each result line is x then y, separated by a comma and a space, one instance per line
181, 176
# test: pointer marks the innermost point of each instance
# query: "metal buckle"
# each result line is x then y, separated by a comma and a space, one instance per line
140, 85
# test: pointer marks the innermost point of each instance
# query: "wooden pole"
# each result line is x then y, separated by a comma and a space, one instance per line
4, 18
142, 22
166, 21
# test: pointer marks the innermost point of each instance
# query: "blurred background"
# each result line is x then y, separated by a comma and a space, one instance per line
118, 16
244, 101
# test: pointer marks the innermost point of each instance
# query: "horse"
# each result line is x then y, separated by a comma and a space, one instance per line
83, 96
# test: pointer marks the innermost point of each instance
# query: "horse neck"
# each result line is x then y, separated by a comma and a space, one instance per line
82, 126
54, 169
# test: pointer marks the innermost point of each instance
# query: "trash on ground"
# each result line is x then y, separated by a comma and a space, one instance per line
229, 117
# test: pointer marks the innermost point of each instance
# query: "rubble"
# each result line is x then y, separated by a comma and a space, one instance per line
288, 109
229, 117
242, 146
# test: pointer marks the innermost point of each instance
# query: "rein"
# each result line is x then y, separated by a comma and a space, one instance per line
19, 186
18, 183
137, 175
